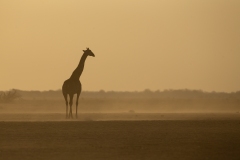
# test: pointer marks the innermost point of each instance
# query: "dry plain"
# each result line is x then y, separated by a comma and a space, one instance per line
120, 136
110, 125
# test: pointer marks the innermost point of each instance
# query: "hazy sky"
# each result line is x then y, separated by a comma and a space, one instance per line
139, 44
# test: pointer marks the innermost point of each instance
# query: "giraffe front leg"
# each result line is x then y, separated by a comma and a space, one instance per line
76, 109
77, 105
66, 110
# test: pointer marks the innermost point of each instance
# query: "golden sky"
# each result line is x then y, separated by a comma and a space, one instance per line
139, 44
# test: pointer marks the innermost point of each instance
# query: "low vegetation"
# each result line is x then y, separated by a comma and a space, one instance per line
128, 102
9, 96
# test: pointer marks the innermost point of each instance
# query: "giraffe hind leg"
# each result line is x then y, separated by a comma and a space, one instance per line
66, 101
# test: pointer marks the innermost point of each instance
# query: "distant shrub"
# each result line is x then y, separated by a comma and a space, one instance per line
9, 96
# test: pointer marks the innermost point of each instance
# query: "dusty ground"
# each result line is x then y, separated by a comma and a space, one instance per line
120, 136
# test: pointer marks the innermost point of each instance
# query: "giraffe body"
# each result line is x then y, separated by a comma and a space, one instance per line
73, 85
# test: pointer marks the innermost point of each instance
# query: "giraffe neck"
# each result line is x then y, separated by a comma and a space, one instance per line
78, 71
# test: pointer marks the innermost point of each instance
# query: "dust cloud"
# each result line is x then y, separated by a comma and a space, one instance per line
171, 124
112, 105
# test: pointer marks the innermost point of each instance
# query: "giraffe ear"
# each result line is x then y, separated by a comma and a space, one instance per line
83, 50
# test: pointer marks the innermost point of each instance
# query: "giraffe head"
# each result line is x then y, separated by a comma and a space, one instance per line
89, 52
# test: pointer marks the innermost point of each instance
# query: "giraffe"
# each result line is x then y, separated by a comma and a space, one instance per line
73, 85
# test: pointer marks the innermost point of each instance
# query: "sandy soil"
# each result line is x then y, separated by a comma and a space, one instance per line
95, 136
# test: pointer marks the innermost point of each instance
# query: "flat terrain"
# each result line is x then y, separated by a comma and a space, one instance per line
120, 136
18, 116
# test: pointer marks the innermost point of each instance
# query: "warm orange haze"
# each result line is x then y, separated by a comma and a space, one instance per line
140, 44
120, 79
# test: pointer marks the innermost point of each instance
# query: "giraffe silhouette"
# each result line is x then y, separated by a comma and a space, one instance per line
73, 85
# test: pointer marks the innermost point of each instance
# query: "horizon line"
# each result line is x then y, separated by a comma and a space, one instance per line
144, 90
